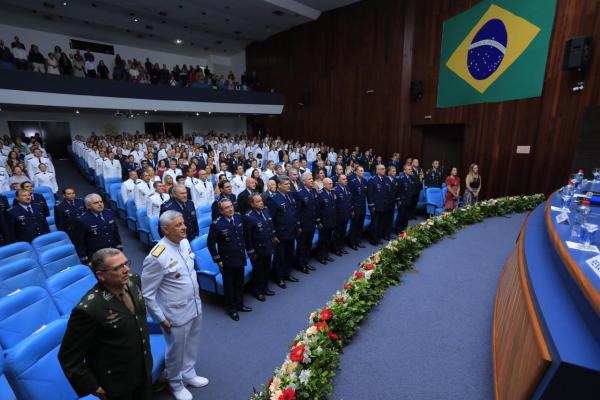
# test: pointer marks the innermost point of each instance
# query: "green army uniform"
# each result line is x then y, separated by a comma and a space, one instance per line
108, 346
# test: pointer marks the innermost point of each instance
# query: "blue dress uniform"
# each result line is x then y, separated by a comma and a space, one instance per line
358, 194
285, 219
433, 178
258, 238
377, 189
189, 216
38, 199
215, 213
24, 225
391, 199
226, 245
307, 201
405, 188
96, 233
4, 231
343, 212
67, 214
327, 214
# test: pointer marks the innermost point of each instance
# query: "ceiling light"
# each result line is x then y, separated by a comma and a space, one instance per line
64, 3
146, 112
76, 111
155, 110
178, 41
197, 114
210, 112
135, 20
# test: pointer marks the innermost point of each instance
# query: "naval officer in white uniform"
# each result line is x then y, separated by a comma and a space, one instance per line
170, 289
156, 199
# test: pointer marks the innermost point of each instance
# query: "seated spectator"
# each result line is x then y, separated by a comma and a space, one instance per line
5, 54
78, 65
90, 68
134, 73
52, 64
19, 53
18, 176
37, 60
57, 52
64, 65
102, 70
164, 75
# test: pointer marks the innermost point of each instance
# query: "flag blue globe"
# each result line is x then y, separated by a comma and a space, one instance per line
487, 49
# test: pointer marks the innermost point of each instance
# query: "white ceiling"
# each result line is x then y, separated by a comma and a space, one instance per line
222, 27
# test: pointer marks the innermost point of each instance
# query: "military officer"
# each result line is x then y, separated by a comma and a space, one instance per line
433, 177
5, 232
26, 220
344, 211
156, 199
405, 187
226, 246
243, 198
106, 348
111, 168
36, 198
327, 214
226, 193
143, 189
45, 178
259, 238
128, 186
357, 186
128, 166
307, 200
282, 208
179, 202
170, 288
97, 229
391, 200
68, 212
4, 177
376, 192
202, 190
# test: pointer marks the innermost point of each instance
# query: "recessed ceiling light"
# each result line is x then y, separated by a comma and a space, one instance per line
210, 112
76, 111
64, 3
145, 112
155, 110
197, 114
135, 20
178, 41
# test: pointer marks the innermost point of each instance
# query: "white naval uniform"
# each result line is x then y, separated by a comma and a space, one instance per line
128, 189
238, 184
174, 173
45, 179
171, 292
111, 168
4, 186
142, 191
33, 164
154, 202
202, 192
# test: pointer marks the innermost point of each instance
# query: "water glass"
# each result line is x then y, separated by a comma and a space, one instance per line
588, 230
566, 194
596, 172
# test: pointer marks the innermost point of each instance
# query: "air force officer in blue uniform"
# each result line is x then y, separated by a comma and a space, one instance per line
26, 220
179, 202
357, 185
68, 212
307, 200
377, 189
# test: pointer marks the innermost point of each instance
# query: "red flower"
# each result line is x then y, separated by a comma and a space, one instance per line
358, 275
368, 267
403, 235
270, 381
297, 353
346, 286
326, 314
332, 335
322, 326
340, 300
288, 394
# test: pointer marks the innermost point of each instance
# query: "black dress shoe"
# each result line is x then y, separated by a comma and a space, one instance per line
304, 270
375, 243
245, 309
310, 268
386, 237
292, 278
234, 316
329, 259
322, 261
360, 245
354, 247
281, 284
269, 292
338, 253
260, 297
344, 251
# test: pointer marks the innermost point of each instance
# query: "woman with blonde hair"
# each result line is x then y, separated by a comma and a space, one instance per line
472, 185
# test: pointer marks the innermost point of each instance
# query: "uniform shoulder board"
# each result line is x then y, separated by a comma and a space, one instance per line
158, 249
248, 212
36, 173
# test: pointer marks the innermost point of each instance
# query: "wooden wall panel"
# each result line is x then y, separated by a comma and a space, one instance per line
383, 45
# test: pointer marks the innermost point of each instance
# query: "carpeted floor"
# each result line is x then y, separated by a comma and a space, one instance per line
429, 339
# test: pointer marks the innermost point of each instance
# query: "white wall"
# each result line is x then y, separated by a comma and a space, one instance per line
100, 123
47, 40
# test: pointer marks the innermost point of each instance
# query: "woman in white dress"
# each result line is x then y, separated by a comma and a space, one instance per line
52, 64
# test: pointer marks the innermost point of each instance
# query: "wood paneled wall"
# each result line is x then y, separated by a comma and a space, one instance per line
382, 45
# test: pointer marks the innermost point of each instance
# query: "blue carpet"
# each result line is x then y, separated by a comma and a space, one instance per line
430, 338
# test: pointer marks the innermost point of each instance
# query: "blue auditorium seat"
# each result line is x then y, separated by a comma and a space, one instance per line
367, 175
48, 196
158, 346
68, 286
121, 207
32, 366
107, 182
435, 201
5, 65
153, 224
247, 270
50, 240
19, 274
204, 224
23, 312
55, 260
209, 276
422, 201
204, 210
131, 215
315, 240
51, 224
114, 192
6, 392
199, 243
10, 196
17, 251
143, 225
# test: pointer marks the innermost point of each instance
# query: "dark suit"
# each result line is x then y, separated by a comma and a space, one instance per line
106, 345
258, 237
243, 202
24, 226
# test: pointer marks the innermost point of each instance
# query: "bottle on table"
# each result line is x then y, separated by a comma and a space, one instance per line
581, 213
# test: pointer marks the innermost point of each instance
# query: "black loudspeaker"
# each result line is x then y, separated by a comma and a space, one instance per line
578, 52
304, 99
416, 89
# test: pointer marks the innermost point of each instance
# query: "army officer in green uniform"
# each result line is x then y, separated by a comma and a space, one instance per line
106, 350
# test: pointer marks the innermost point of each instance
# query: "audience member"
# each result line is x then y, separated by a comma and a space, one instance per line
452, 190
472, 186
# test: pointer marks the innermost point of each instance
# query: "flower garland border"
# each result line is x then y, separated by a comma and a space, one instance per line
308, 370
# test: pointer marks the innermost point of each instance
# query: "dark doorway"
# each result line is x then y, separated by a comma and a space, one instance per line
56, 135
587, 151
174, 129
445, 144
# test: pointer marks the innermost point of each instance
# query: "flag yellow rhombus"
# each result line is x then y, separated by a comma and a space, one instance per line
520, 34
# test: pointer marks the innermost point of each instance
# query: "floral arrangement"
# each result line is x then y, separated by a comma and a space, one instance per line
308, 370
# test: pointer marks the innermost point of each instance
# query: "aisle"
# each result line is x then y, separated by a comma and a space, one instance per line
430, 338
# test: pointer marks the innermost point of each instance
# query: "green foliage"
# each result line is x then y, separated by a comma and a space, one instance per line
309, 368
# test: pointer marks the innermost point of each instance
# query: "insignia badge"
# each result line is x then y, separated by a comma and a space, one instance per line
91, 296
177, 275
107, 295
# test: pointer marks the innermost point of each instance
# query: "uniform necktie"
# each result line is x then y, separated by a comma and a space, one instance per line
204, 184
126, 300
148, 183
161, 197
101, 217
72, 203
263, 216
29, 210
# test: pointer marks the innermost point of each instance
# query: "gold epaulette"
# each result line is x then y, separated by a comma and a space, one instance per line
157, 250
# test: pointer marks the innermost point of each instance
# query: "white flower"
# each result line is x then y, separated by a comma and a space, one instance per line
275, 386
311, 331
312, 316
369, 273
304, 376
275, 395
318, 350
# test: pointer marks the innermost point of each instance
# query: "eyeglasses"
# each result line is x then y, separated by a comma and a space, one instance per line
118, 268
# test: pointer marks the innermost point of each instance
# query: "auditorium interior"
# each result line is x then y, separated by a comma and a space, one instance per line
364, 256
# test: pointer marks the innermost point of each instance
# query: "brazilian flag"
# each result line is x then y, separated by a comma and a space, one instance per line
495, 51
